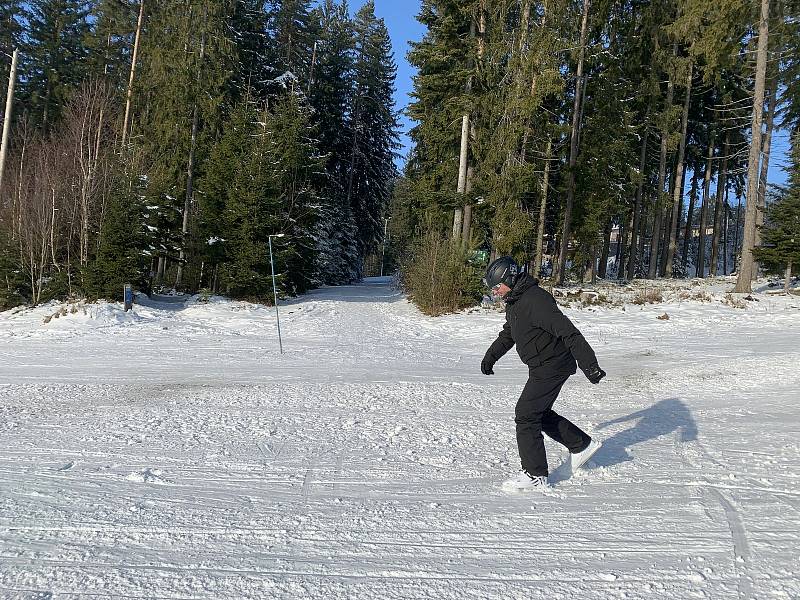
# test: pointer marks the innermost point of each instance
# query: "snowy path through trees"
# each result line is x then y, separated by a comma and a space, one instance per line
174, 454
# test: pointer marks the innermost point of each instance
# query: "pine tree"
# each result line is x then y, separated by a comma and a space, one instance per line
11, 16
14, 288
123, 254
373, 126
252, 70
330, 91
55, 55
780, 236
299, 173
292, 30
442, 59
110, 42
186, 60
262, 179
241, 204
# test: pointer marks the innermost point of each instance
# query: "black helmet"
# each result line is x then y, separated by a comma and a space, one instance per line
502, 270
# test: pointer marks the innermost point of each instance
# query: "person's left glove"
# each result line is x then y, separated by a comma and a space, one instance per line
595, 374
486, 366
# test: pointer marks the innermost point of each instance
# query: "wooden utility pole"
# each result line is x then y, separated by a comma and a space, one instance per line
12, 76
573, 149
129, 94
745, 271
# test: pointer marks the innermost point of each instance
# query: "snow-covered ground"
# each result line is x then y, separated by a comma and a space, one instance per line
174, 453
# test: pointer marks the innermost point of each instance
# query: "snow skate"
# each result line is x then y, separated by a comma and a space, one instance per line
579, 458
523, 481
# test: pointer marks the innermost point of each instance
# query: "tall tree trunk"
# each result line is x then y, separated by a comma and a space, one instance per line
637, 210
745, 275
677, 196
573, 148
623, 245
603, 266
722, 182
129, 93
687, 232
542, 23
187, 203
12, 77
458, 211
667, 222
726, 225
701, 238
162, 268
462, 177
543, 209
643, 232
465, 231
762, 179
736, 238
655, 240
787, 277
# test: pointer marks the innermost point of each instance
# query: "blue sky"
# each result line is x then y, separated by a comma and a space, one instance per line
400, 19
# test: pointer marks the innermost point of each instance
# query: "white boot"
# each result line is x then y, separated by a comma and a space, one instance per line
579, 458
523, 481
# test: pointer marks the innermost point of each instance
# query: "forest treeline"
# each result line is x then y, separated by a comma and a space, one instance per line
599, 138
162, 144
165, 143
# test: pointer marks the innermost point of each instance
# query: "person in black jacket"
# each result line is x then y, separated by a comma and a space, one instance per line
550, 345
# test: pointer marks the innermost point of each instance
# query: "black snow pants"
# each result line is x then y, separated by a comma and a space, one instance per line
534, 414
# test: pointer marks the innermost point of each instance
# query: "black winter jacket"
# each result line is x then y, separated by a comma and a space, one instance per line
546, 339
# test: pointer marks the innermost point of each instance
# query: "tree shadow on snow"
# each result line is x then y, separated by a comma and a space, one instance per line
663, 418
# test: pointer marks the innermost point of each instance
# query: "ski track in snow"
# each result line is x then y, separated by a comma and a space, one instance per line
173, 453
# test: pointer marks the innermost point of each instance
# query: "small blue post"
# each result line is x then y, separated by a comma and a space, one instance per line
128, 296
275, 291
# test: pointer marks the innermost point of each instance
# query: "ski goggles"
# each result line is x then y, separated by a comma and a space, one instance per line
493, 288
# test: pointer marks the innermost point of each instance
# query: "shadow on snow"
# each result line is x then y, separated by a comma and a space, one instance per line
662, 418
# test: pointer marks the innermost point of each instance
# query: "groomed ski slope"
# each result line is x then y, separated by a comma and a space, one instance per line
173, 453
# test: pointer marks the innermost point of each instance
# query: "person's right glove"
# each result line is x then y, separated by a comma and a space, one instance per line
595, 374
486, 366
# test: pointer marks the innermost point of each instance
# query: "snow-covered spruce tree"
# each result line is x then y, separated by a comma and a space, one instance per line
780, 236
330, 91
54, 56
186, 58
373, 127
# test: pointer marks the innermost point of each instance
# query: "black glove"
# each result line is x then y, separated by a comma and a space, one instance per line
486, 366
595, 374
